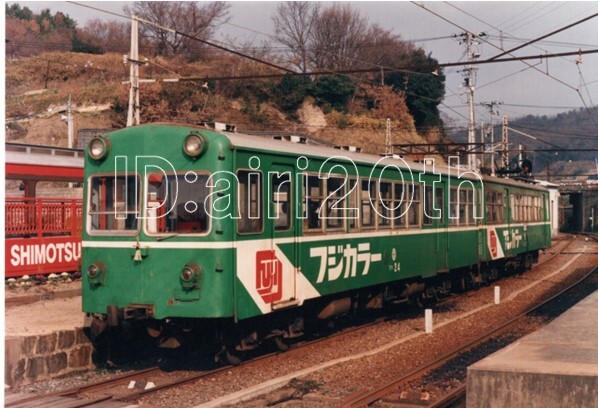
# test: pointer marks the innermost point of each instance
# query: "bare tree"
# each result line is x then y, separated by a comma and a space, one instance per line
186, 17
110, 36
293, 23
337, 35
382, 47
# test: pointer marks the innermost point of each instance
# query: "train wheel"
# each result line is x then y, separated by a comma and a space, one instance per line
281, 344
231, 358
227, 357
528, 262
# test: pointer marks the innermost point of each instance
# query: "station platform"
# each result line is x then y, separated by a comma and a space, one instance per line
556, 366
45, 339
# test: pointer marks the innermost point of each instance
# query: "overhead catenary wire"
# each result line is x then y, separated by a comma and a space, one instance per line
397, 69
523, 18
422, 6
536, 17
527, 42
583, 81
494, 27
289, 71
510, 51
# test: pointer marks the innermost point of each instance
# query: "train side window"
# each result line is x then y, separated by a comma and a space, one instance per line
494, 207
433, 198
400, 201
368, 218
463, 207
113, 205
384, 199
251, 219
281, 200
470, 207
440, 204
414, 212
353, 212
335, 203
454, 206
500, 208
314, 196
490, 202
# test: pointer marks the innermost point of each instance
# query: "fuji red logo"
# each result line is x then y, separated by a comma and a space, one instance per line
493, 244
268, 279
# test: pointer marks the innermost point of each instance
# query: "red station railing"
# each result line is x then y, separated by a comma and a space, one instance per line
43, 235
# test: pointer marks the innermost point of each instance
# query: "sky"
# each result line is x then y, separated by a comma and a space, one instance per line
552, 86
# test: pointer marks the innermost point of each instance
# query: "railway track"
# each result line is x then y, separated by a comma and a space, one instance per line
74, 395
454, 398
101, 392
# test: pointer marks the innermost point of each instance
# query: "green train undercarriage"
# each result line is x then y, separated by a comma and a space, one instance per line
122, 333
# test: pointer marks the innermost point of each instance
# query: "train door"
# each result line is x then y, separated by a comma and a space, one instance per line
441, 224
509, 207
282, 233
435, 219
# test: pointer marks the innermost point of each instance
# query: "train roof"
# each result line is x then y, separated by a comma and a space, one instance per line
252, 142
261, 143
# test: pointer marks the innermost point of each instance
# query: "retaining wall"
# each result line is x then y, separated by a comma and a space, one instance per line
39, 357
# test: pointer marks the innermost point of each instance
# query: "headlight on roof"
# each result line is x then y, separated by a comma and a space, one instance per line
195, 145
98, 148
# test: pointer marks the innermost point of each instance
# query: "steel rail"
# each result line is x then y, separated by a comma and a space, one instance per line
451, 398
131, 396
360, 399
87, 388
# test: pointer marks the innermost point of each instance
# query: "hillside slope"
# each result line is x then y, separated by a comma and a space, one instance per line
38, 88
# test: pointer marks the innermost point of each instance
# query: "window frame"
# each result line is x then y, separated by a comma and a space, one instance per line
145, 202
124, 232
238, 202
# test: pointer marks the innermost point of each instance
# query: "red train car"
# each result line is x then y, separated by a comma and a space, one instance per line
42, 235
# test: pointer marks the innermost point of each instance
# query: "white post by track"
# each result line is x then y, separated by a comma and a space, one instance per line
428, 321
497, 295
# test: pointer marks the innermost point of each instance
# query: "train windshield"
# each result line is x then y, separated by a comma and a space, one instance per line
113, 203
175, 203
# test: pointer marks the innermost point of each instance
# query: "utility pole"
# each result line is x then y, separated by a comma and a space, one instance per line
483, 140
69, 122
388, 138
505, 144
70, 127
133, 114
491, 108
469, 76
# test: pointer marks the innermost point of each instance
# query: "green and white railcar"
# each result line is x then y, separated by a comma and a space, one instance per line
242, 237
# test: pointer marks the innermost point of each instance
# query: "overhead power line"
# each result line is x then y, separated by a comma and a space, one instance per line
392, 69
191, 37
544, 36
576, 90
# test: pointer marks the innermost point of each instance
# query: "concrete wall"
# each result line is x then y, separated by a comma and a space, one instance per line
495, 389
590, 211
584, 211
32, 358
